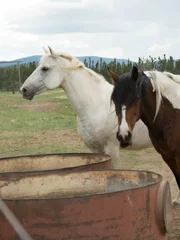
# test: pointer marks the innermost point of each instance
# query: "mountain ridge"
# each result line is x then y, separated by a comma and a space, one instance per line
36, 58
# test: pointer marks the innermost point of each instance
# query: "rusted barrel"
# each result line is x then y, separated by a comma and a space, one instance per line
94, 205
58, 162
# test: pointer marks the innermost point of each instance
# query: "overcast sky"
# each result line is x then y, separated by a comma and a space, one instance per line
107, 28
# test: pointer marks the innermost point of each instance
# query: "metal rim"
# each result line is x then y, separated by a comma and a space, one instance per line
58, 154
97, 194
105, 158
164, 210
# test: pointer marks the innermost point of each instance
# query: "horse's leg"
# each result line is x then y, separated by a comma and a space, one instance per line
174, 164
112, 149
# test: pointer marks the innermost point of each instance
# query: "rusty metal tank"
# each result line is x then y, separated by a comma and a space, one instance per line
110, 204
59, 162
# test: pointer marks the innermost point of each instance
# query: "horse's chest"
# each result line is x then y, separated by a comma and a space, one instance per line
160, 145
162, 140
91, 134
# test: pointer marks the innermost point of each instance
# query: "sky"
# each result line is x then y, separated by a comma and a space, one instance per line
107, 28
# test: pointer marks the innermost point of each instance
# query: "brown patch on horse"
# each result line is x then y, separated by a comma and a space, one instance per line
131, 115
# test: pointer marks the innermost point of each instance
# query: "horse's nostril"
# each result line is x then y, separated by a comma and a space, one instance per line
128, 137
124, 140
118, 136
24, 90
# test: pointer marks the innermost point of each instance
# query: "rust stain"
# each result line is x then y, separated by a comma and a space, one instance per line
125, 209
46, 162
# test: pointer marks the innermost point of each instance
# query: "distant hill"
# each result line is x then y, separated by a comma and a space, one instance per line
107, 60
36, 58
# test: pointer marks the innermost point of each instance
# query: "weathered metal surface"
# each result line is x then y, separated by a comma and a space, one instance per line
91, 205
164, 208
59, 162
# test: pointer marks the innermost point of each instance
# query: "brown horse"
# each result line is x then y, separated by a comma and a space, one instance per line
153, 97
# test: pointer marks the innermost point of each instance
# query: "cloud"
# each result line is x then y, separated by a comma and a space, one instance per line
149, 30
157, 47
55, 17
109, 52
116, 28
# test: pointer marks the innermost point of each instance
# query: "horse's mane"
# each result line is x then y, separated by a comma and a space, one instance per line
75, 63
167, 85
174, 77
94, 74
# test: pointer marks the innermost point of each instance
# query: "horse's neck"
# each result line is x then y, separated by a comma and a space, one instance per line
85, 93
148, 106
161, 130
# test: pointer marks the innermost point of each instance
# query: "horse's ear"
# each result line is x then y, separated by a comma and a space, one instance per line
52, 51
45, 50
113, 75
134, 73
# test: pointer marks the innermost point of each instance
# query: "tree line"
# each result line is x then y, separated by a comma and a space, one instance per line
10, 80
12, 77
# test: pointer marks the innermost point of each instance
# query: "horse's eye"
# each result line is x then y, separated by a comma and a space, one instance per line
44, 69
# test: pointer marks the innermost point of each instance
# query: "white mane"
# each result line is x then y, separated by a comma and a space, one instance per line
167, 85
75, 64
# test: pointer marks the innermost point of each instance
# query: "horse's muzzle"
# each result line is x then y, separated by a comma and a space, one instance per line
26, 94
125, 141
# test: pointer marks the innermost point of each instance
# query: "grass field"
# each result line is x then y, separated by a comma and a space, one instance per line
48, 125
30, 127
42, 125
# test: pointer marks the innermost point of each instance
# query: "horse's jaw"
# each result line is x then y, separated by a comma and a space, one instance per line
28, 98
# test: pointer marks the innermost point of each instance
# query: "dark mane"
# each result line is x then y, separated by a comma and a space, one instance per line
121, 88
126, 92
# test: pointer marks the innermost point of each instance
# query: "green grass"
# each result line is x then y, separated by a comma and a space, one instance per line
21, 119
28, 127
18, 114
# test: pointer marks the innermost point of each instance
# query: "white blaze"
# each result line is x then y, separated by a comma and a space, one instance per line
124, 129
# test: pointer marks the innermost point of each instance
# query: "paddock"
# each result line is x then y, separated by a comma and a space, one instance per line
48, 125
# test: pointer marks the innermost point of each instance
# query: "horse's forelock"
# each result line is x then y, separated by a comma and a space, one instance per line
125, 92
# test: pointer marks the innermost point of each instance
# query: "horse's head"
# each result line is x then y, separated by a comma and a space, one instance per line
52, 70
127, 100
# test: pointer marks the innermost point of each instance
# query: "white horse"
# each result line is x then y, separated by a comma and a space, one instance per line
89, 94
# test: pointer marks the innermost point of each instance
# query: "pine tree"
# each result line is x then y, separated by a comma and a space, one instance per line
85, 62
170, 65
